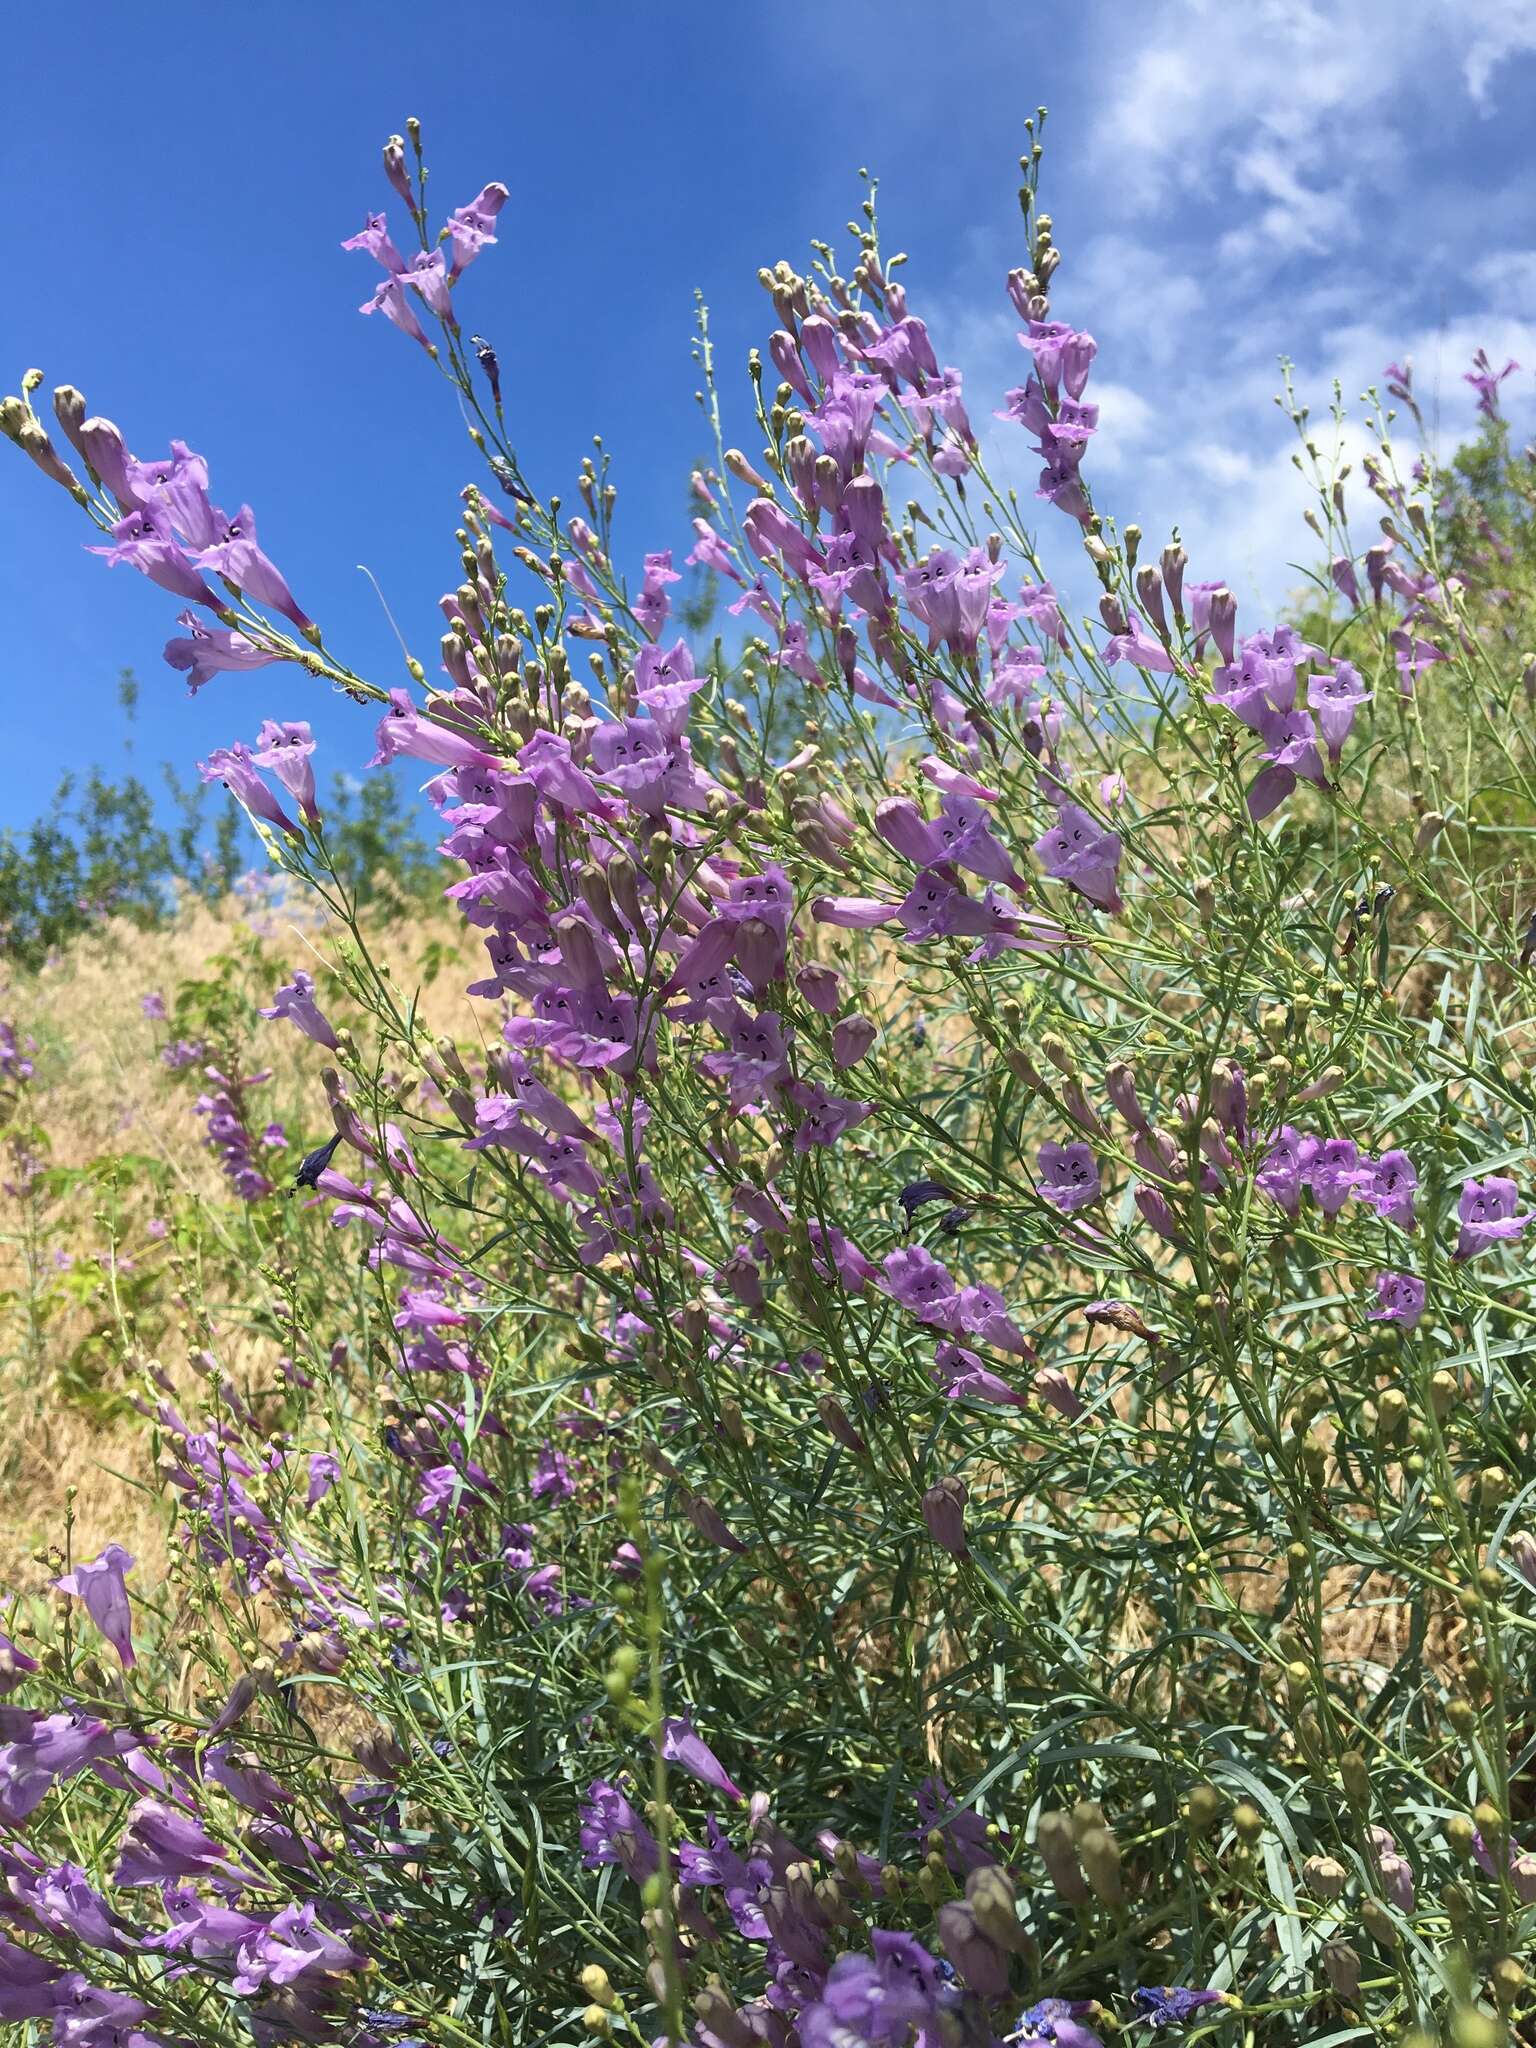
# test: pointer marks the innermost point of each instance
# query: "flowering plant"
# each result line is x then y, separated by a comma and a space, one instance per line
924, 1439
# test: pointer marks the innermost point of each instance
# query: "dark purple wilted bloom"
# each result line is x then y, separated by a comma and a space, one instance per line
710, 1523
295, 1000
1171, 2007
485, 356
1485, 381
612, 1832
680, 1745
1069, 1177
315, 1163
1400, 1297
1489, 1213
100, 1585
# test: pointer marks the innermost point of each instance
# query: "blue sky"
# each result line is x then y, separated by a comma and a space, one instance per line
1228, 183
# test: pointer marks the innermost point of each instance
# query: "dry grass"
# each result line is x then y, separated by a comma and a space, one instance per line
101, 1094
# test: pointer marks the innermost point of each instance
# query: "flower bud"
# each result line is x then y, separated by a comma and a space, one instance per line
1173, 562
1057, 1843
1099, 1853
1120, 1086
1324, 1875
838, 1424
821, 987
1248, 1821
852, 1040
1520, 1548
1202, 1810
1494, 1486
1460, 1835
981, 1966
990, 1895
944, 1512
1507, 1979
594, 1982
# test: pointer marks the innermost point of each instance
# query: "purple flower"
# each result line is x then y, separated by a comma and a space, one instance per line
28, 1983
286, 749
612, 1832
236, 556
963, 1377
427, 273
234, 767
208, 651
552, 1475
1389, 1186
1342, 570
1485, 381
163, 1843
681, 1745
1069, 1177
1280, 1171
824, 1117
923, 1284
64, 1901
967, 1846
469, 227
1333, 698
1400, 1297
1489, 1214
143, 539
1137, 646
1172, 2007
877, 1999
390, 300
404, 730
295, 1000
100, 1585
1333, 1174
373, 238
324, 1471
1054, 2023
1079, 851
